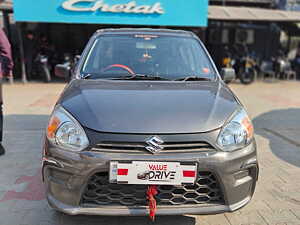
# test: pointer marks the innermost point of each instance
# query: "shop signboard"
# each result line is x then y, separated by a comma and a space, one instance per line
135, 12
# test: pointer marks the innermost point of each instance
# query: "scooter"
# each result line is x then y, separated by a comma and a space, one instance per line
228, 62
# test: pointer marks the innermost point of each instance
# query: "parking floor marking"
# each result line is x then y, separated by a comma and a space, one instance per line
34, 190
46, 101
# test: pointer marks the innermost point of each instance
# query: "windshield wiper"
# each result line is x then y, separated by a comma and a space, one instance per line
86, 76
140, 76
193, 78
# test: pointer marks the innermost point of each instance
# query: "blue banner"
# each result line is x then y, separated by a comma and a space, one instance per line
131, 12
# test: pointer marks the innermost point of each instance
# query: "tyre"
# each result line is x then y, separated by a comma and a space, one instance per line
227, 82
247, 77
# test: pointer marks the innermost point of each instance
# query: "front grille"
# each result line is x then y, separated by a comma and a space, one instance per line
100, 192
140, 147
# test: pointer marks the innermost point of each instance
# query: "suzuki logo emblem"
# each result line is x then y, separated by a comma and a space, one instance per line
154, 145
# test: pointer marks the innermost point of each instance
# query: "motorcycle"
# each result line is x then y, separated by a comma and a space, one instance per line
64, 69
246, 69
283, 67
42, 67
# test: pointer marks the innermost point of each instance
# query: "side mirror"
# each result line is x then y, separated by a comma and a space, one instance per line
228, 75
62, 71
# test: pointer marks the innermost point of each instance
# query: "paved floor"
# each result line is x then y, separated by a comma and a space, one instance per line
274, 107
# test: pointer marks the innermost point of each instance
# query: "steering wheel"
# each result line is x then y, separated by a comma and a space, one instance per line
119, 66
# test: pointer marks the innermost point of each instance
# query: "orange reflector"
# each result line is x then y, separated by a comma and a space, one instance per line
52, 126
249, 127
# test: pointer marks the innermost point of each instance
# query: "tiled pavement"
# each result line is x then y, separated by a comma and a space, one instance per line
274, 107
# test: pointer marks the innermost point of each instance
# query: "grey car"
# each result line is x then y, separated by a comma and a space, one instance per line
147, 107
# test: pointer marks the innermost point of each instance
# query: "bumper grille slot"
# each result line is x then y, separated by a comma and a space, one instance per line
100, 192
140, 148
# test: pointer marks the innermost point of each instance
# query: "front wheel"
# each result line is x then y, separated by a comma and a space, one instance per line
247, 77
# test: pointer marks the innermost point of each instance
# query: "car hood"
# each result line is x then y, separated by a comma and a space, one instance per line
150, 107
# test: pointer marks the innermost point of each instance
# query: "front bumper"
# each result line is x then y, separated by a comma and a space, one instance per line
143, 211
66, 175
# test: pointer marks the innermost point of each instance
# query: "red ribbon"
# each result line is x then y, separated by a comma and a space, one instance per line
151, 193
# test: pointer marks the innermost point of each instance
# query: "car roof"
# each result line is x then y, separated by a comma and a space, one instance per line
147, 31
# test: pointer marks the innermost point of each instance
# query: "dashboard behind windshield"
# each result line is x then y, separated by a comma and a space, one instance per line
169, 57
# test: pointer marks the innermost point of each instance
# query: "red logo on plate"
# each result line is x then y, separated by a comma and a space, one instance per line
122, 172
189, 173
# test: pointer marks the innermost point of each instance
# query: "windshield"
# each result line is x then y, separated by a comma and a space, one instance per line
166, 57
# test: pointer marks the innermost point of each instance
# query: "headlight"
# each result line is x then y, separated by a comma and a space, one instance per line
237, 132
63, 130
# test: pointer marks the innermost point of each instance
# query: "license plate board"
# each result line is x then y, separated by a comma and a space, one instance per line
153, 173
